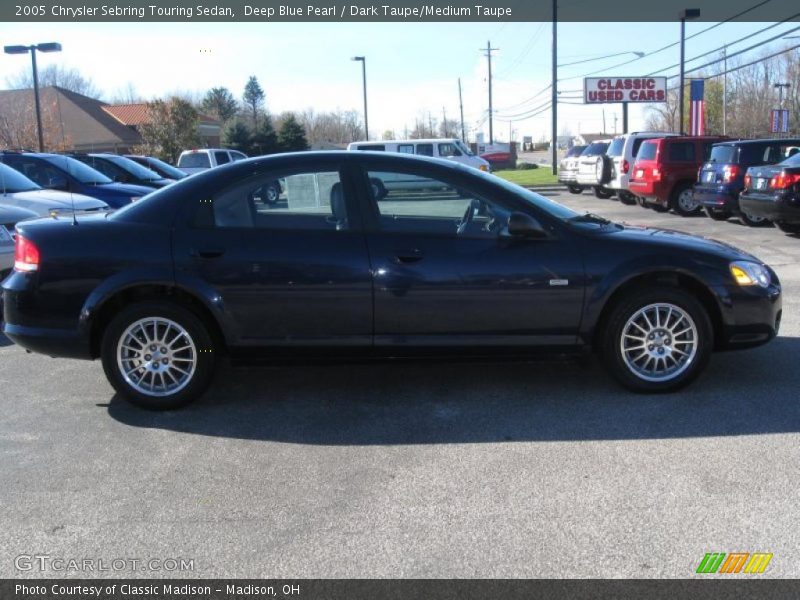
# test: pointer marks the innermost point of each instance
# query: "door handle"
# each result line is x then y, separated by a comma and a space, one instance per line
408, 257
206, 252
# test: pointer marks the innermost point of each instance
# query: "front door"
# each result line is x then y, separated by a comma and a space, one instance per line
447, 273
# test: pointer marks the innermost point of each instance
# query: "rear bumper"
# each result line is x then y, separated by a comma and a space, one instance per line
717, 197
651, 191
779, 206
52, 342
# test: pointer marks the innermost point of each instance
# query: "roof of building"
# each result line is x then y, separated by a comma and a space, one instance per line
135, 114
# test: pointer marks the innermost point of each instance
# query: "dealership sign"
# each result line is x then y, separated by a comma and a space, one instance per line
602, 90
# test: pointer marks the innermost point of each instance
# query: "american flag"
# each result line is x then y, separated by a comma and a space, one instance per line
697, 119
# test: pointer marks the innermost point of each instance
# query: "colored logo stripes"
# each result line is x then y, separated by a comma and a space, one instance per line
735, 562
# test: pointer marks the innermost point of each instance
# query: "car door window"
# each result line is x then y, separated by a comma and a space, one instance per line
448, 150
425, 149
681, 152
405, 148
221, 158
308, 200
410, 203
106, 168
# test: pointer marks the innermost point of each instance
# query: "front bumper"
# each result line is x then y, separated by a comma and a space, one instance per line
567, 177
751, 315
783, 206
717, 197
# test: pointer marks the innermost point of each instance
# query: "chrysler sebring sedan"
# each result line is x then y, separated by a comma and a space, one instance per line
455, 263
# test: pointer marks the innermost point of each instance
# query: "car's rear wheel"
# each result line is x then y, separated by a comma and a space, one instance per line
683, 201
788, 227
718, 215
158, 355
626, 197
575, 189
753, 221
602, 193
657, 340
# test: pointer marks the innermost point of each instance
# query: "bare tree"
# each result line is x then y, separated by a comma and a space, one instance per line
57, 75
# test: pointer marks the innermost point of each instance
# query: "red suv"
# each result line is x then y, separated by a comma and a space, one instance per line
666, 169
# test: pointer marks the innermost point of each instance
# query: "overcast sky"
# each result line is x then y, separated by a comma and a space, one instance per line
411, 68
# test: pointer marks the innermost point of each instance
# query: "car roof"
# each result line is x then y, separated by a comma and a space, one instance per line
785, 141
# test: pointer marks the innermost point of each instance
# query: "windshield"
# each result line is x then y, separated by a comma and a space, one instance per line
81, 172
195, 160
575, 151
615, 149
792, 161
464, 148
133, 168
723, 154
595, 148
167, 169
551, 207
12, 181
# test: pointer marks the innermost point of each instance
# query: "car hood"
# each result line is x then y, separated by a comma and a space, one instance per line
13, 214
48, 199
681, 241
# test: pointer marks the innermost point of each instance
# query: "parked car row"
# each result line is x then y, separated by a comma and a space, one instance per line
757, 181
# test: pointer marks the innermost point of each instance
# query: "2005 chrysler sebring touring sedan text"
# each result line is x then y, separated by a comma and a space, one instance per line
446, 260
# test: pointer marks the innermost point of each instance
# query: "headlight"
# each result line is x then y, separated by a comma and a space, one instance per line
750, 273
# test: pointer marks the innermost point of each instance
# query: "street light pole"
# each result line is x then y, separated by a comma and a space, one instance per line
363, 61
554, 94
48, 47
687, 13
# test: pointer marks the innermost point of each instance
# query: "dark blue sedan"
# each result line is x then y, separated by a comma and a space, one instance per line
444, 261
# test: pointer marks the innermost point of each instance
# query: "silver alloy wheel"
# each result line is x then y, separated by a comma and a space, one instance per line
659, 342
156, 356
754, 219
686, 200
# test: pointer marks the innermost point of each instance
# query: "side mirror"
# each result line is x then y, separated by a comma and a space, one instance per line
523, 225
58, 183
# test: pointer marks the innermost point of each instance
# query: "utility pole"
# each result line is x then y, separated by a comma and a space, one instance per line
615, 123
554, 92
725, 89
604, 121
489, 51
430, 123
461, 108
687, 13
444, 123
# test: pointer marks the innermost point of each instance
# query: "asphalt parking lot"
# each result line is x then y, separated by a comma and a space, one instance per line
444, 470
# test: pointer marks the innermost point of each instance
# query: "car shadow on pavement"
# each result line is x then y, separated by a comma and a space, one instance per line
741, 393
4, 341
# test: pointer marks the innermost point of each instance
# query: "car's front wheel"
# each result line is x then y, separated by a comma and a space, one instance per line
602, 193
657, 340
158, 355
575, 189
718, 215
626, 197
754, 221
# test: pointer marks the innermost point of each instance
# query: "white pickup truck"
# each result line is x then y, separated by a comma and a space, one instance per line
200, 159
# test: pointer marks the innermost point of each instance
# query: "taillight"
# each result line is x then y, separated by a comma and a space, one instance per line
26, 255
748, 180
656, 174
730, 173
625, 167
783, 180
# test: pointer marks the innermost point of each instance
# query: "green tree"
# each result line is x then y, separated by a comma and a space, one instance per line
172, 128
254, 98
292, 135
236, 136
220, 103
265, 140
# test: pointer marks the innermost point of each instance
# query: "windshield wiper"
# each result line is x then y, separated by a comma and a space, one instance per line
590, 218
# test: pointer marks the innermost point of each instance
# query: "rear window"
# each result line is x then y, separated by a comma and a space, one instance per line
647, 151
195, 160
372, 147
681, 152
616, 147
792, 161
724, 154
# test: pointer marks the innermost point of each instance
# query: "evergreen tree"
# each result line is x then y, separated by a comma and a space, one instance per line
265, 140
254, 98
292, 136
236, 136
220, 103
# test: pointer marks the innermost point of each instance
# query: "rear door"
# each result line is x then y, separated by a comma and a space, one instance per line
291, 273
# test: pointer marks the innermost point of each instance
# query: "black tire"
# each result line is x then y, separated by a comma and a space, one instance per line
616, 321
641, 202
658, 207
272, 193
680, 205
788, 227
602, 193
626, 197
199, 335
603, 169
575, 189
753, 222
718, 215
